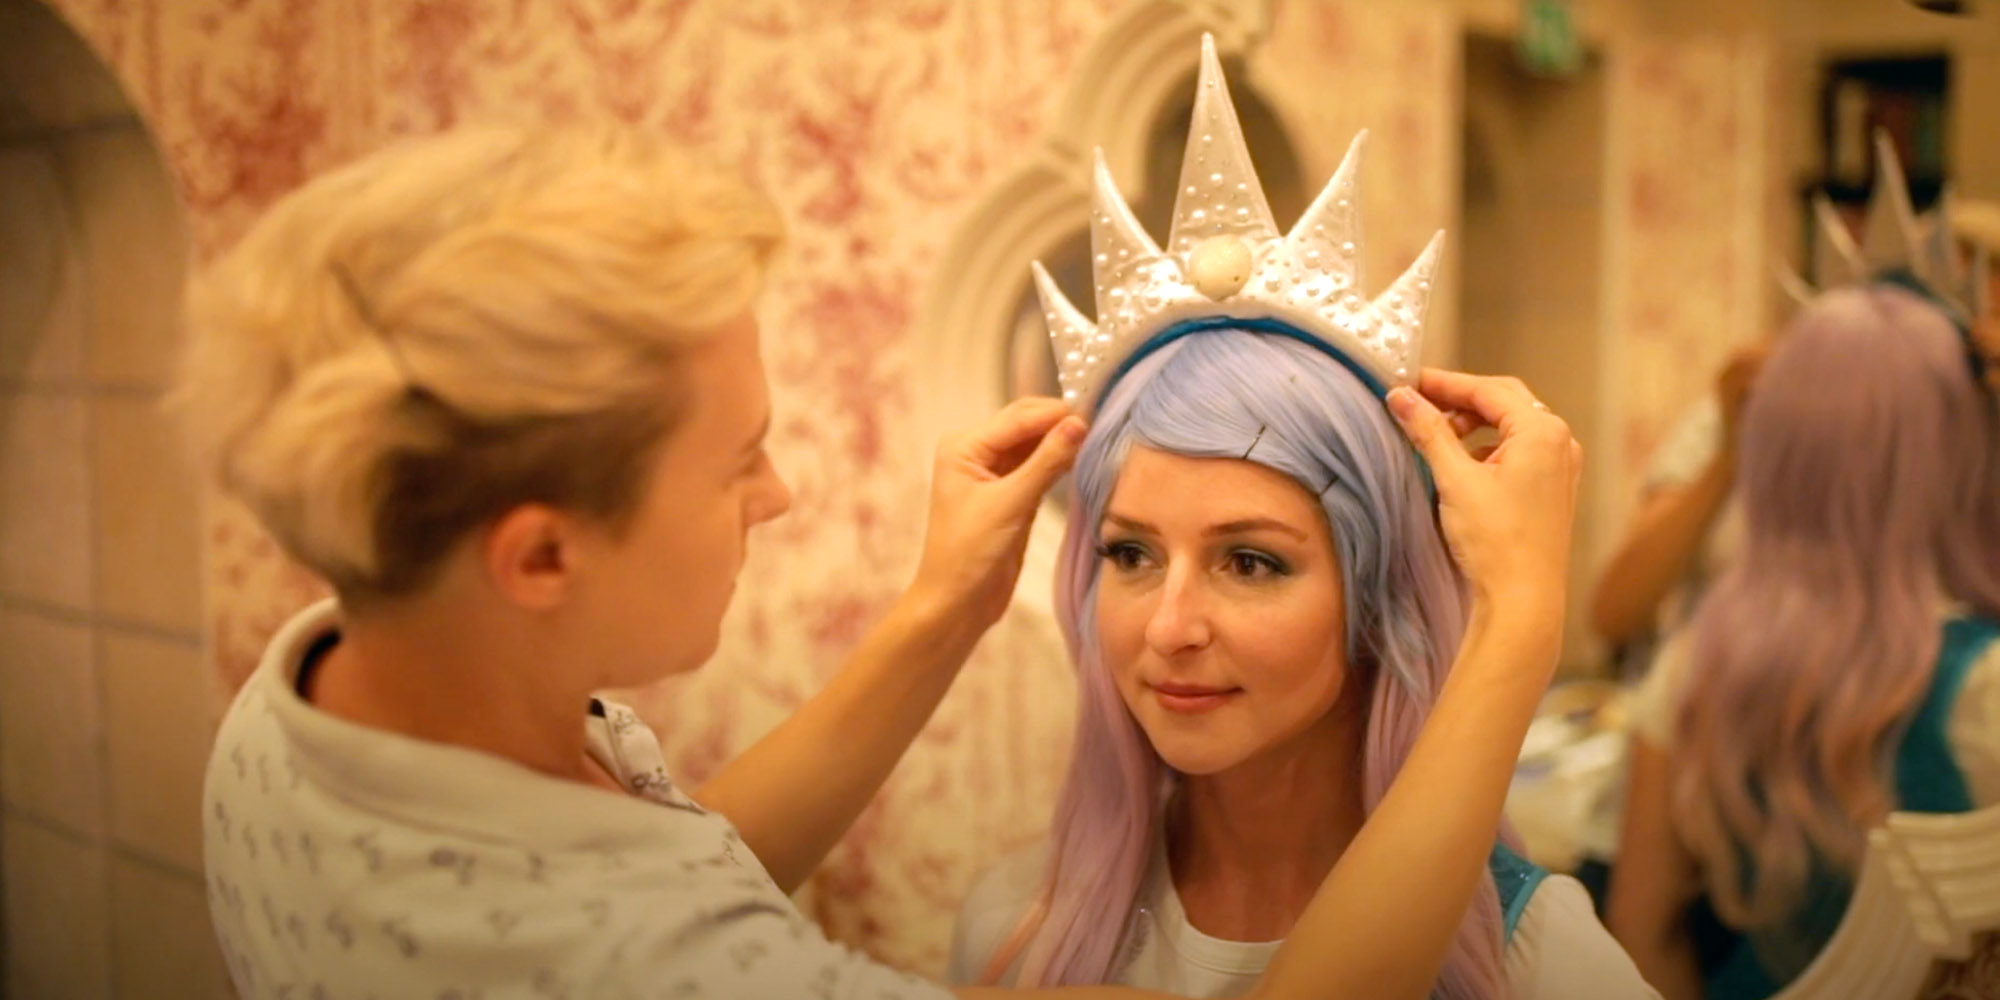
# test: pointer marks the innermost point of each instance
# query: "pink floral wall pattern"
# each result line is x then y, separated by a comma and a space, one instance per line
875, 124
1685, 181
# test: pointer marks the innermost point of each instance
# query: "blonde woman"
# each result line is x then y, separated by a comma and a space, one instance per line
503, 392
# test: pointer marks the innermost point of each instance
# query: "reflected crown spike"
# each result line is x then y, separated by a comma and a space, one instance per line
1895, 243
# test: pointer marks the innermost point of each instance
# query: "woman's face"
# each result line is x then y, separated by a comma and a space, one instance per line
667, 580
1220, 609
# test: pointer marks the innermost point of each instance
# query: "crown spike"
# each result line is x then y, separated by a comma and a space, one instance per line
1836, 260
1938, 251
1890, 239
1327, 238
1120, 251
1794, 285
1397, 328
1219, 194
1070, 336
1979, 282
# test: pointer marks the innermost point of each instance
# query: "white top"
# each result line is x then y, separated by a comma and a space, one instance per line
1972, 729
346, 862
1688, 447
1559, 951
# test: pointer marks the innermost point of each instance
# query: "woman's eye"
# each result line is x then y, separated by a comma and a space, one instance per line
1256, 565
1122, 555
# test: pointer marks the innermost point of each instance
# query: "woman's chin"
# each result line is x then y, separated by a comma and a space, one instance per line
1196, 757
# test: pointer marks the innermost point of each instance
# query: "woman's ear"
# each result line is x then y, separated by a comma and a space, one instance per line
530, 556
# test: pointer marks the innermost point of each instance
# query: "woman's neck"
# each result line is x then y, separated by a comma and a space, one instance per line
1249, 846
451, 675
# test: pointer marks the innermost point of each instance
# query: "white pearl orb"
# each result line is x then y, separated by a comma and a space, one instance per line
1220, 266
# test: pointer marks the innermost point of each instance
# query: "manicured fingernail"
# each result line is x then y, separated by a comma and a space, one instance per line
1402, 402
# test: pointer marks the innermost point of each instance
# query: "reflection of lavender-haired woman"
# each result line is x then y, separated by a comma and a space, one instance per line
1100, 904
1843, 669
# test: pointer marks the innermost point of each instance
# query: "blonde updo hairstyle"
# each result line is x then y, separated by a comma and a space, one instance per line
408, 347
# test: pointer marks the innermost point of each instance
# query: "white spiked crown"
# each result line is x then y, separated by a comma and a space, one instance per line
1225, 260
1895, 241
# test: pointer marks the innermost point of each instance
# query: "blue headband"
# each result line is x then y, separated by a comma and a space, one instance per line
1900, 278
1274, 327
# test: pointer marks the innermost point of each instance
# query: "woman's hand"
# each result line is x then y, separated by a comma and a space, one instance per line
795, 792
1506, 515
1732, 392
985, 489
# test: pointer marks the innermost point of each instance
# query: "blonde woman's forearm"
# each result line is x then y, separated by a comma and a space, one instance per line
1383, 922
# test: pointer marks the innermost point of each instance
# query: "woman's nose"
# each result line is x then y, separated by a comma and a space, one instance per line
1180, 621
